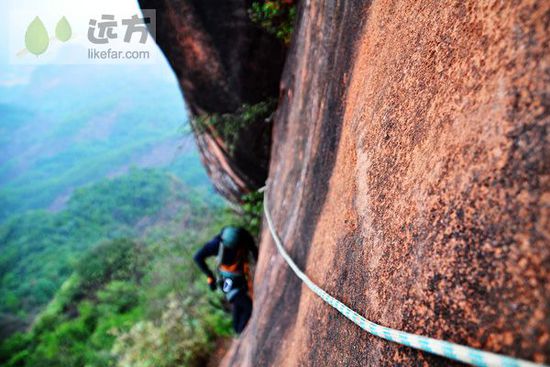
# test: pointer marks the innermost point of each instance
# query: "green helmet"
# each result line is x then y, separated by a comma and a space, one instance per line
230, 237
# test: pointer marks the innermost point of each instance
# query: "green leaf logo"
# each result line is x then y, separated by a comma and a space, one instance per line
63, 30
36, 37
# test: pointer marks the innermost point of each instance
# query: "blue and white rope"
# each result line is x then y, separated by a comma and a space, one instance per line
442, 348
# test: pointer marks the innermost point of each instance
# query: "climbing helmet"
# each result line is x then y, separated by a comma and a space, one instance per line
230, 237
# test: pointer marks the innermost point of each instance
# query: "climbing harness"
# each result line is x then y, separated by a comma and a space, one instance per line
233, 278
442, 348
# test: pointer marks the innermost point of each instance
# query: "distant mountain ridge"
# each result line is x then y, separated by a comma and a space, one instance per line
87, 122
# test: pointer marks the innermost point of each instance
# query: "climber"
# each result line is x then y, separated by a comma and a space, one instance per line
232, 246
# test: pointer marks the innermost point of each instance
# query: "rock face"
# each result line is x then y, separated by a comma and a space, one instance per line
410, 179
222, 61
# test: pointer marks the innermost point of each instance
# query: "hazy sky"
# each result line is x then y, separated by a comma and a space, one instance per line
21, 12
63, 125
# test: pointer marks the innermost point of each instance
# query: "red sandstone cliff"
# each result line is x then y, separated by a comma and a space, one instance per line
222, 61
410, 179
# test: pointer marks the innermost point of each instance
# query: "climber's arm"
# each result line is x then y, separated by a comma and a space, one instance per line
209, 249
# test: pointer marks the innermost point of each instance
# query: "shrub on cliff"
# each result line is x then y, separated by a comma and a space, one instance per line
252, 211
228, 126
275, 16
182, 337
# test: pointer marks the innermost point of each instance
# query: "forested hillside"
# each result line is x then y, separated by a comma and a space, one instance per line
123, 251
86, 123
38, 247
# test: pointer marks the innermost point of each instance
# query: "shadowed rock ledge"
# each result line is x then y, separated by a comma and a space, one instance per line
222, 61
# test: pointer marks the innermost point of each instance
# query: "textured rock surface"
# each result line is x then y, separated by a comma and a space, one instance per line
409, 178
222, 61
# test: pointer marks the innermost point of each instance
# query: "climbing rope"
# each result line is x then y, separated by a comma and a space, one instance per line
442, 348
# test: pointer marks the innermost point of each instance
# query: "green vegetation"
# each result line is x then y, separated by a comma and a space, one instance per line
38, 247
275, 16
101, 294
95, 255
118, 310
252, 212
184, 320
131, 295
228, 125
